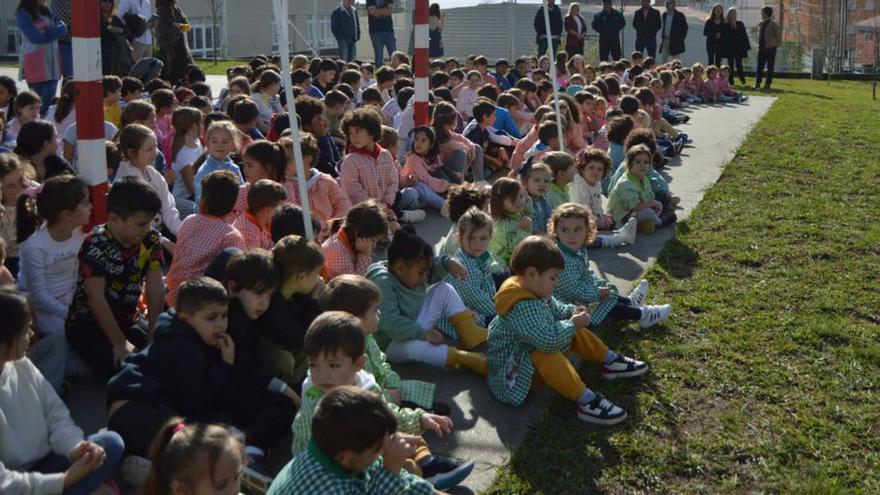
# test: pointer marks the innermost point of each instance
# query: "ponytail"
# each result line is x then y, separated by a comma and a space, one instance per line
65, 102
183, 119
271, 156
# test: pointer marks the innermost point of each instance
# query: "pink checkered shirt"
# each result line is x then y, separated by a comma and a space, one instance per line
255, 236
340, 259
369, 174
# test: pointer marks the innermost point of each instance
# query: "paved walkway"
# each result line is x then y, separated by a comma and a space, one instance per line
486, 430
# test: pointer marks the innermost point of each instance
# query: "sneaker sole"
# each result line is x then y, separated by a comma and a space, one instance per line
599, 421
653, 324
255, 483
625, 374
452, 478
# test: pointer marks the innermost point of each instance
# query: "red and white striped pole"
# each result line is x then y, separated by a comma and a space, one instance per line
87, 73
420, 62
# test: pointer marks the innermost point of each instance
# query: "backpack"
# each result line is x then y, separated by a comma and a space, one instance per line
135, 26
147, 69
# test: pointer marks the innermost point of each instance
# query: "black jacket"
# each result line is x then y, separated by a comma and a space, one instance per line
608, 25
735, 41
710, 29
555, 22
285, 322
177, 370
647, 28
247, 373
345, 26
678, 32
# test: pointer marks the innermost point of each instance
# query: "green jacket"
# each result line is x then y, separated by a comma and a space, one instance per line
578, 284
505, 237
628, 192
556, 195
421, 393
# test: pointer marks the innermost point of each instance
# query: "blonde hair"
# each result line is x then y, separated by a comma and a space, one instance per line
227, 126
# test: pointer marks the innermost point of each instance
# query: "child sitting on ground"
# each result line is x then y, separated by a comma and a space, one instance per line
507, 202
353, 438
632, 195
350, 248
593, 165
41, 448
334, 345
562, 167
533, 331
263, 198
25, 108
572, 228
461, 198
221, 141
204, 235
477, 290
183, 151
261, 160
423, 165
536, 179
118, 262
413, 313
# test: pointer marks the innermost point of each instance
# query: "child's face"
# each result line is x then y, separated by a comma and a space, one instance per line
566, 176
599, 110
593, 172
318, 126
327, 75
365, 74
421, 144
516, 205
475, 242
209, 322
146, 154
474, 81
489, 120
220, 145
522, 67
114, 96
454, 81
360, 138
29, 113
12, 185
367, 244
336, 110
225, 479
254, 303
541, 284
4, 96
412, 273
254, 170
640, 165
149, 122
18, 347
571, 232
370, 319
81, 214
50, 147
132, 230
273, 88
537, 183
329, 371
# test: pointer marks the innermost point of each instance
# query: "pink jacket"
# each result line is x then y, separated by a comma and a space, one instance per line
724, 86
326, 199
574, 137
524, 145
421, 169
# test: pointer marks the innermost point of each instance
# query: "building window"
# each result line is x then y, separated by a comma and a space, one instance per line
203, 39
325, 35
13, 38
276, 37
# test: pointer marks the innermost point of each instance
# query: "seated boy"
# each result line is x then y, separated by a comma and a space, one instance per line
112, 86
533, 331
480, 131
116, 261
254, 223
334, 345
354, 449
548, 140
311, 113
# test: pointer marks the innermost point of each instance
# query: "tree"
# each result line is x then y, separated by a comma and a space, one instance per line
216, 8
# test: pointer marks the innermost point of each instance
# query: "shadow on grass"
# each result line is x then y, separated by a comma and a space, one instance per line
677, 258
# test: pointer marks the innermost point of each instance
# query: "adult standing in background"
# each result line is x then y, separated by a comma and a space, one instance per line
646, 22
576, 31
138, 18
675, 28
735, 44
608, 23
171, 38
541, 28
435, 31
61, 9
381, 27
346, 28
712, 32
115, 48
39, 58
768, 42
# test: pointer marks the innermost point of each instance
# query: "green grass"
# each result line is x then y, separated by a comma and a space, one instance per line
766, 379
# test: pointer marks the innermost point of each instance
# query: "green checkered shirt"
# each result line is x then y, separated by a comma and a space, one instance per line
556, 195
578, 284
421, 393
478, 290
505, 237
628, 192
313, 473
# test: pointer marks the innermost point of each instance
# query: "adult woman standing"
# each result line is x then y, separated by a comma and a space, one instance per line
435, 31
39, 58
712, 32
735, 44
115, 49
171, 38
575, 30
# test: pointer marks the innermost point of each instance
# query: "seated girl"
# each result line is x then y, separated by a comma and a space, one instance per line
349, 250
477, 290
632, 195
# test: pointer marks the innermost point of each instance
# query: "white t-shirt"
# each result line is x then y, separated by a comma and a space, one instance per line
186, 156
142, 8
62, 126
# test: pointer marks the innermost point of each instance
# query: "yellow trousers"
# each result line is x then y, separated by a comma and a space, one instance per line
412, 464
558, 373
662, 126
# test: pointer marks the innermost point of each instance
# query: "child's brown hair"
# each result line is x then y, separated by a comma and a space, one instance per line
592, 154
572, 210
547, 131
503, 189
352, 293
389, 137
294, 256
365, 219
253, 270
462, 197
351, 419
536, 252
558, 161
219, 193
265, 193
367, 119
270, 155
132, 137
639, 149
111, 84
474, 219
332, 332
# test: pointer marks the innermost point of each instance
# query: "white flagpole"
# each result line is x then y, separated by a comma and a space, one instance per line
281, 17
553, 76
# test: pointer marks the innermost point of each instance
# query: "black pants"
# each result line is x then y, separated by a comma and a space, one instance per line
624, 310
574, 50
647, 45
714, 53
766, 56
92, 345
137, 423
609, 47
738, 63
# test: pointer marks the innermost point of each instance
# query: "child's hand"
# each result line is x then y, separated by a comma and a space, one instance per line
120, 351
364, 245
440, 425
455, 268
605, 222
170, 176
657, 206
86, 447
434, 336
525, 223
227, 349
581, 318
502, 155
393, 227
82, 467
319, 287
395, 451
394, 394
604, 292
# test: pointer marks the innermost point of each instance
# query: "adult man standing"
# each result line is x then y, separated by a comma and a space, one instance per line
646, 22
768, 42
142, 46
608, 23
381, 27
541, 28
346, 28
675, 30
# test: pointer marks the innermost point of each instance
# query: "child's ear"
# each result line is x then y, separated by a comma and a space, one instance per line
360, 362
232, 288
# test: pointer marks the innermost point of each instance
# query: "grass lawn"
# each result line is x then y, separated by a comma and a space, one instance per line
766, 379
218, 69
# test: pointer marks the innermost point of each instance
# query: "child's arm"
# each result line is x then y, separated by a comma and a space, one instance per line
536, 327
572, 288
339, 200
350, 180
188, 174
155, 298
393, 185
393, 324
33, 272
104, 316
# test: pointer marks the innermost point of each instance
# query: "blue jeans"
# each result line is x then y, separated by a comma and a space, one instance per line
66, 59
347, 49
381, 41
113, 446
427, 196
542, 46
46, 90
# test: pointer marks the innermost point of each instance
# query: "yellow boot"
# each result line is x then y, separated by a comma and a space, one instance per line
646, 227
473, 361
469, 333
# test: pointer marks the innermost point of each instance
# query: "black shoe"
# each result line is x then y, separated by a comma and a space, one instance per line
444, 472
668, 217
439, 408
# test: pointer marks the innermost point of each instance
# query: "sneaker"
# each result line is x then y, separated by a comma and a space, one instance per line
639, 294
600, 411
652, 315
678, 146
256, 477
624, 367
667, 218
135, 470
444, 472
683, 137
628, 231
437, 407
412, 216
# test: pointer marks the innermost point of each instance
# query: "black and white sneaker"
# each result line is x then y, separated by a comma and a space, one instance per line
444, 472
638, 295
652, 315
600, 411
624, 367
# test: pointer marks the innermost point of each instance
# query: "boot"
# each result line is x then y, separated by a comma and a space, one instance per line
473, 361
646, 227
668, 217
628, 231
469, 333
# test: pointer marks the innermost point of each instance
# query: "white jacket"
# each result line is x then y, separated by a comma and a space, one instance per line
587, 195
168, 215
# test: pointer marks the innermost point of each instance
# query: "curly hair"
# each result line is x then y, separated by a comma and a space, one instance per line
572, 210
592, 154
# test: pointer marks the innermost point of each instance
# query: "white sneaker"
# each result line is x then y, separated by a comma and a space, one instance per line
628, 231
652, 315
135, 470
639, 294
600, 411
412, 216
